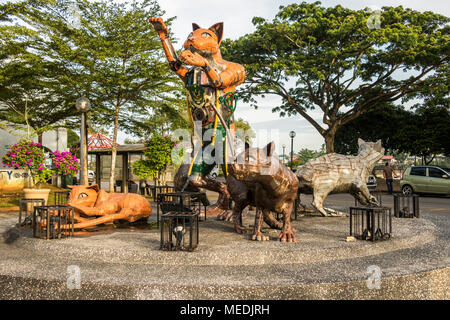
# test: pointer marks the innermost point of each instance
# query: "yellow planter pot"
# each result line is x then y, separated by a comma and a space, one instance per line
36, 194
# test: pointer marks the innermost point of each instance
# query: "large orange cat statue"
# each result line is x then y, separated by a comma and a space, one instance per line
210, 83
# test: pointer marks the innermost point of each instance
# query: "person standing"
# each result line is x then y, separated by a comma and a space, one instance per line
387, 173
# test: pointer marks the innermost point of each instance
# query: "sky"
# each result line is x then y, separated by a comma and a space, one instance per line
237, 16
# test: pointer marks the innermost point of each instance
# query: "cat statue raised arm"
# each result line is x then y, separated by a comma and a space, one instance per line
337, 173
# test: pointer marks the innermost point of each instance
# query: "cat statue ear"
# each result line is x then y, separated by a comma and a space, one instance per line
360, 142
94, 186
218, 30
195, 26
270, 148
378, 146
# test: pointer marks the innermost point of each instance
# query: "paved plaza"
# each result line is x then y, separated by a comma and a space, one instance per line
127, 263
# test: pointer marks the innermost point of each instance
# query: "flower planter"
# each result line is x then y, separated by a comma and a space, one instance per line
36, 194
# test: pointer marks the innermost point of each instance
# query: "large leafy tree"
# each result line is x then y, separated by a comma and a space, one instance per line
107, 52
339, 62
384, 122
30, 96
27, 89
423, 132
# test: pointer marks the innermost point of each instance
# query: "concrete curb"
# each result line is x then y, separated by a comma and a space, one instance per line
427, 285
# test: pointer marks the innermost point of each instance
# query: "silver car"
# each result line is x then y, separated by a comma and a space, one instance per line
425, 179
371, 182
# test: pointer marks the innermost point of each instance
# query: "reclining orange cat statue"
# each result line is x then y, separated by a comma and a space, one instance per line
93, 206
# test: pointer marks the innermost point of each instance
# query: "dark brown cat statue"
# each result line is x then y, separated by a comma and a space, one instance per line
259, 179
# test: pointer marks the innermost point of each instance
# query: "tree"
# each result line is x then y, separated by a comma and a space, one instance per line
110, 55
304, 155
382, 122
244, 131
8, 9
158, 155
423, 132
426, 133
27, 95
333, 60
163, 120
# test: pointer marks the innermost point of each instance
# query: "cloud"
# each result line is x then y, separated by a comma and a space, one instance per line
237, 14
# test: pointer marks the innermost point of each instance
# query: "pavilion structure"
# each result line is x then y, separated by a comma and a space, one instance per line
125, 151
100, 145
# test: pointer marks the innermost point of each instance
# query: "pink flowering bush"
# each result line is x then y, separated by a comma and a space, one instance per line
65, 163
27, 155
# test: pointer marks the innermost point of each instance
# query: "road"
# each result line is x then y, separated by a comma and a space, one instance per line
435, 205
428, 204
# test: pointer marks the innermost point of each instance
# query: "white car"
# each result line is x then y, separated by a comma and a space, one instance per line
91, 175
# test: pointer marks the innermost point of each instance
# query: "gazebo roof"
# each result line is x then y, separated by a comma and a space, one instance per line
99, 141
96, 141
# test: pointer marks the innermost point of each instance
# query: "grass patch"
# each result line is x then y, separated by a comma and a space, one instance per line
153, 225
11, 199
8, 205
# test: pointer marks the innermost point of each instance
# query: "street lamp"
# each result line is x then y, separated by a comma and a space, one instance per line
284, 147
83, 105
292, 135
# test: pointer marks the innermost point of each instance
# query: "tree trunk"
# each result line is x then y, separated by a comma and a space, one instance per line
429, 162
329, 139
114, 152
40, 137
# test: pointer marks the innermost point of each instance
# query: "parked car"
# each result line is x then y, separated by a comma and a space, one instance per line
91, 176
371, 182
425, 179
